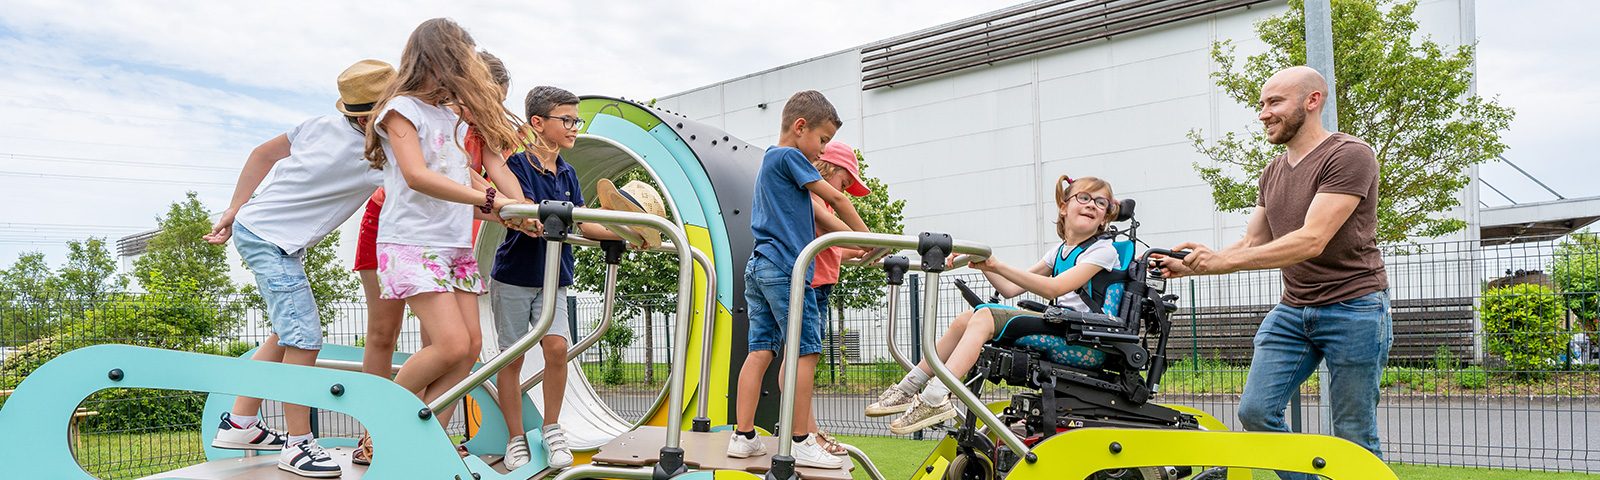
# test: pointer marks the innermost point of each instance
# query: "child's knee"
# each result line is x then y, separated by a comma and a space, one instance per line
555, 349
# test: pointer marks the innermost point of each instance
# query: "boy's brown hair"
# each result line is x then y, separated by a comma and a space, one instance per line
812, 106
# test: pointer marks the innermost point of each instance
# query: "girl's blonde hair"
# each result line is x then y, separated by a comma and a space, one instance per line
440, 65
825, 168
1067, 187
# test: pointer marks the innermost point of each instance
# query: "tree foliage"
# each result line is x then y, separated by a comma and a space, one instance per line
178, 261
1576, 273
1522, 324
1409, 98
862, 287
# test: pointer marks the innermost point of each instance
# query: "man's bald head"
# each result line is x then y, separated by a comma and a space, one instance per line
1291, 98
1299, 79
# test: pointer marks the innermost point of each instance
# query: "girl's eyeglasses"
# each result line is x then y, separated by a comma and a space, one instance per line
1084, 199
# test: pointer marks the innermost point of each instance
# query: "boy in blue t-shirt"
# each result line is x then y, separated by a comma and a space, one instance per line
783, 222
517, 280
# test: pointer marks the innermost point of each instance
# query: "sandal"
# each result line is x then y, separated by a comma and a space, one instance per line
830, 444
363, 453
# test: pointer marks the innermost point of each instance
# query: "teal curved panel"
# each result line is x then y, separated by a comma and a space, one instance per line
690, 162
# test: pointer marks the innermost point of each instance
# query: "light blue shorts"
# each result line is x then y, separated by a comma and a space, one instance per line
281, 278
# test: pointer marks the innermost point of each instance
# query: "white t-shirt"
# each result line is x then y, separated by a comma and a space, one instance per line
413, 218
1100, 253
315, 189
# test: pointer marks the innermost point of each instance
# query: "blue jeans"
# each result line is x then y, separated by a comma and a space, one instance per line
766, 293
1353, 336
281, 279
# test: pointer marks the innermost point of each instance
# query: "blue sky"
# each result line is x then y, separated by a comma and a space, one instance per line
113, 110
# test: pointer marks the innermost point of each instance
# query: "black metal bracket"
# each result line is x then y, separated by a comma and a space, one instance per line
557, 219
613, 250
895, 267
782, 468
701, 424
934, 247
671, 464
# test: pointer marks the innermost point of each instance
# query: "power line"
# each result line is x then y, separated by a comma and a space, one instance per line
92, 178
130, 163
123, 145
124, 115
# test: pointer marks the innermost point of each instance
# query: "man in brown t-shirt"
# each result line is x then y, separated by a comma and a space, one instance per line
1316, 219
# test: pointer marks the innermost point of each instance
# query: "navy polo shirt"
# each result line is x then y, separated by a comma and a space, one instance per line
520, 259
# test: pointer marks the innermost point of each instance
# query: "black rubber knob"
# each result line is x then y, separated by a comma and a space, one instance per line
115, 375
425, 413
1116, 447
337, 389
1319, 463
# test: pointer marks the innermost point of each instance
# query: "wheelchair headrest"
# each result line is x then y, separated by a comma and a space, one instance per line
1125, 211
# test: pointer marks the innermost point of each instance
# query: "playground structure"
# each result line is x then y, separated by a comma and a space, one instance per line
706, 177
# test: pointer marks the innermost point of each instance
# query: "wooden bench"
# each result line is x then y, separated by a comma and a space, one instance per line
1421, 327
72, 425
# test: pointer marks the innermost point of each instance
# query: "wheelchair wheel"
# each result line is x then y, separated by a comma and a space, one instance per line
970, 466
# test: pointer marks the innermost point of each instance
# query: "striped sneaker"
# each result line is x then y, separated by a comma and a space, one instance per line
250, 437
307, 459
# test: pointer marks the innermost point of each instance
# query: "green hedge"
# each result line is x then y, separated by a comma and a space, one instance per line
1523, 325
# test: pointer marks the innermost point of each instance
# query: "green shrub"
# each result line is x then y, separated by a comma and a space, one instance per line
1522, 324
1472, 378
1576, 273
1445, 360
143, 409
238, 348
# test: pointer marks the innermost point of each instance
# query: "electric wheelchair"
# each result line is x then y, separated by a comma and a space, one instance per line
1084, 369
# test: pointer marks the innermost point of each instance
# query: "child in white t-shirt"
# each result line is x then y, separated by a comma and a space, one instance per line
424, 244
318, 180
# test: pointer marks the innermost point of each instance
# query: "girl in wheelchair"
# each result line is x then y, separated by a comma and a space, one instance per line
1086, 206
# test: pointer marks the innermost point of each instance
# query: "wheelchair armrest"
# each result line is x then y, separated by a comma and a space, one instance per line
1032, 305
1070, 316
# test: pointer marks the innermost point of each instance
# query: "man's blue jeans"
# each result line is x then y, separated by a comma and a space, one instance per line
1353, 336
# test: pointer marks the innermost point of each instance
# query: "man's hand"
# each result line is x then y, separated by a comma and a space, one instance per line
223, 229
1200, 261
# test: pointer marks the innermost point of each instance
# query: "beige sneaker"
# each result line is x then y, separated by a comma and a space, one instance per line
921, 416
890, 402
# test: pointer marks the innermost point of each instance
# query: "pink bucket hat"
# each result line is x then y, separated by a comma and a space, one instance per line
838, 153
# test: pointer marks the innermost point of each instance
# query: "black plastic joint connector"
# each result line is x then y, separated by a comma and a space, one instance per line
782, 468
701, 424
614, 250
934, 247
895, 267
557, 219
671, 464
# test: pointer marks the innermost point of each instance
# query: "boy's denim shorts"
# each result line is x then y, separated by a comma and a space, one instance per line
766, 291
281, 278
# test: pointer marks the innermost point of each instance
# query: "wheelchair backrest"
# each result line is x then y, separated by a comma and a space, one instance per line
1105, 285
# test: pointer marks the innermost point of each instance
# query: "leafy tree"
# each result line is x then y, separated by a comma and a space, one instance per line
90, 272
647, 282
1522, 323
178, 261
1409, 98
1576, 273
26, 300
331, 282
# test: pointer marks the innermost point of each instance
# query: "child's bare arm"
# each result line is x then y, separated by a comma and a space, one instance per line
840, 203
595, 231
1003, 286
255, 170
826, 221
505, 182
1043, 284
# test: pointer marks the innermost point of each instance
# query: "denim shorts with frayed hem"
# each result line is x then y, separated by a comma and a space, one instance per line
766, 291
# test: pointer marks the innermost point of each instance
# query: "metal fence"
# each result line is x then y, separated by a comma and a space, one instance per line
1453, 400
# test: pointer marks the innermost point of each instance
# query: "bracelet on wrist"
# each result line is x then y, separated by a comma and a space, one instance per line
488, 201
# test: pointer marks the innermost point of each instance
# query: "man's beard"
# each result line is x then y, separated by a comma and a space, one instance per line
1288, 127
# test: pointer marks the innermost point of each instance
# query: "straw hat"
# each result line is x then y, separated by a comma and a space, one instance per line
636, 197
361, 85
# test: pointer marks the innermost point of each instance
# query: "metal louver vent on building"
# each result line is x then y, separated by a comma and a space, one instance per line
1018, 31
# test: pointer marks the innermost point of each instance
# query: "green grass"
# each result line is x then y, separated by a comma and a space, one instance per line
898, 457
134, 455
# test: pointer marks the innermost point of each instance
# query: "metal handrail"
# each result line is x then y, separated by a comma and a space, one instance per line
971, 251
552, 279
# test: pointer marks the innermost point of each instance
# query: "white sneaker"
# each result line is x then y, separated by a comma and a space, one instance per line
517, 453
253, 437
555, 442
740, 447
890, 402
307, 459
809, 454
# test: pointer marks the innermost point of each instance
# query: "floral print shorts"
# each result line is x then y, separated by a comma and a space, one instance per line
407, 270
